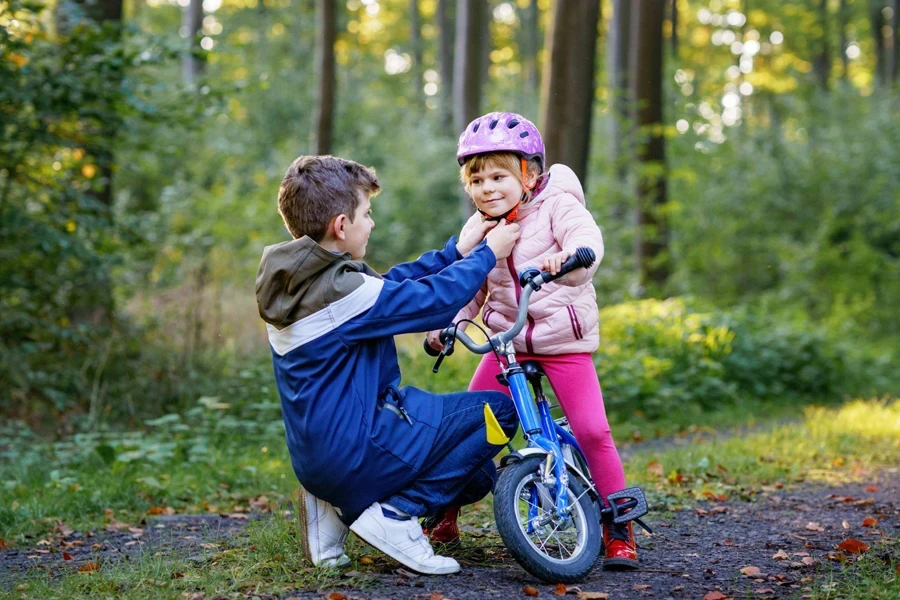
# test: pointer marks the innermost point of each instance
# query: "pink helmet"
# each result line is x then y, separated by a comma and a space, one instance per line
499, 132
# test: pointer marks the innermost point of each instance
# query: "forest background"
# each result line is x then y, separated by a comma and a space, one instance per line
741, 156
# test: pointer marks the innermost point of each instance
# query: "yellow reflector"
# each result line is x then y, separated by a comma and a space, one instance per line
495, 433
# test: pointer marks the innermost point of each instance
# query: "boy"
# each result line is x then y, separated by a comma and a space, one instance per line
366, 451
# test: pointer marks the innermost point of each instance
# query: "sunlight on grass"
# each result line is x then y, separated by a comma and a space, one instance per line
829, 446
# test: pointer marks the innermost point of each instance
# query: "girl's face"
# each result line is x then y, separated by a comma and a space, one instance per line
495, 190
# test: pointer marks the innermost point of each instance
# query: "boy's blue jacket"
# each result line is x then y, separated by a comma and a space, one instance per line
355, 437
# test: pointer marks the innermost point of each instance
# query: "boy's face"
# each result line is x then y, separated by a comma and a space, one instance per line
357, 232
495, 190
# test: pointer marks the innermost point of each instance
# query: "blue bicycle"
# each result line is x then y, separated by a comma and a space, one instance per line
547, 510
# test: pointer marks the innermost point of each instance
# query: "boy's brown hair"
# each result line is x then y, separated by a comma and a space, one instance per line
509, 161
315, 189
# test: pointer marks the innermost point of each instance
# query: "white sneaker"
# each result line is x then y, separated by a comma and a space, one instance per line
322, 533
403, 541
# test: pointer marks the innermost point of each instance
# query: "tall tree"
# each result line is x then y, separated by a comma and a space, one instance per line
843, 17
415, 41
467, 70
528, 47
877, 22
822, 58
892, 45
652, 241
567, 91
326, 67
619, 86
192, 20
447, 35
673, 21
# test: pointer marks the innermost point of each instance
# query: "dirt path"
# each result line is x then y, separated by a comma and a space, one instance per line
691, 553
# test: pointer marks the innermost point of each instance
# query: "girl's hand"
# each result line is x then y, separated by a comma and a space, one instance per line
553, 262
474, 237
434, 340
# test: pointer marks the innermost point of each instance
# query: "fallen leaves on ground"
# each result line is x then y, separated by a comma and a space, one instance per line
89, 567
639, 587
872, 488
814, 527
335, 596
530, 591
3, 545
66, 556
593, 596
781, 555
655, 468
853, 546
753, 572
367, 561
869, 522
436, 596
715, 596
560, 589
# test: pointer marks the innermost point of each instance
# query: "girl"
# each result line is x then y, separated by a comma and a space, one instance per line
502, 166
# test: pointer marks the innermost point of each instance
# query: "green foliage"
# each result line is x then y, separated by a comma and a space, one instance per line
657, 358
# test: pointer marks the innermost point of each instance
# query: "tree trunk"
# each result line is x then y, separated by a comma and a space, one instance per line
652, 240
192, 66
467, 80
567, 92
326, 67
415, 41
447, 35
619, 86
876, 19
487, 43
822, 60
892, 46
529, 48
843, 17
673, 6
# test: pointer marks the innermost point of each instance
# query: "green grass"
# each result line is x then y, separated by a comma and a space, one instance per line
209, 462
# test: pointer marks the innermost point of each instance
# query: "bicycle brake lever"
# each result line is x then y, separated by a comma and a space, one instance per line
437, 363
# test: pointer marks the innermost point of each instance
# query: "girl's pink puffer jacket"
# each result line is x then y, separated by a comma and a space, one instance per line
562, 316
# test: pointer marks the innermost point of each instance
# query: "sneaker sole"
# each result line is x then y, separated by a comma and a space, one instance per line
380, 544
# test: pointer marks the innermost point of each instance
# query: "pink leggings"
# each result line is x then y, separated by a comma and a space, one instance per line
574, 380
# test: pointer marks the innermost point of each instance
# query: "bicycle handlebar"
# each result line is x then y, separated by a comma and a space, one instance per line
531, 280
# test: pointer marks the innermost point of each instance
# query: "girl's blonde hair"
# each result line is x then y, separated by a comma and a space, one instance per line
509, 161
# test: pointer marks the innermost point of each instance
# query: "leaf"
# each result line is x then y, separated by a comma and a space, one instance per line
655, 468
715, 596
814, 527
335, 596
853, 546
66, 556
530, 591
808, 561
750, 571
107, 453
560, 589
640, 587
3, 545
89, 567
781, 555
436, 596
869, 522
366, 560
764, 591
872, 488
593, 596
845, 524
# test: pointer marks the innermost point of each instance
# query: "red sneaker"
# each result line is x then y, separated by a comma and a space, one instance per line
442, 528
621, 552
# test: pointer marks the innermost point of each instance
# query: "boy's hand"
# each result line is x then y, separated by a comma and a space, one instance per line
474, 237
553, 262
502, 238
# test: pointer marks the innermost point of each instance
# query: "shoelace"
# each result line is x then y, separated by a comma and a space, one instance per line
620, 532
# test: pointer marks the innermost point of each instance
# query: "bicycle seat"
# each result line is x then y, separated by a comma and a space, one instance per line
533, 370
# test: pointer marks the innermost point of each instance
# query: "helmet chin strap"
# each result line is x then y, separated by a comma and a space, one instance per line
512, 213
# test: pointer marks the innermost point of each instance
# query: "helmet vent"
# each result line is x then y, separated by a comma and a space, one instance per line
524, 134
512, 123
493, 123
475, 127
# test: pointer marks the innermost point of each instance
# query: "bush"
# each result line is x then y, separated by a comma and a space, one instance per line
659, 357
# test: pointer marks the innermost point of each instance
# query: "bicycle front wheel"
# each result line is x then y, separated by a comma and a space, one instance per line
550, 548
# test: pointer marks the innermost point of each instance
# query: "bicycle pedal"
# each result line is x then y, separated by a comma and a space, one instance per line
635, 494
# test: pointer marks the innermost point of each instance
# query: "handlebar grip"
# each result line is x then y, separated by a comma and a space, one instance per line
429, 350
582, 259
